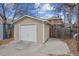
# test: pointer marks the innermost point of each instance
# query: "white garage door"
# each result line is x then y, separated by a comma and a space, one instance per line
28, 33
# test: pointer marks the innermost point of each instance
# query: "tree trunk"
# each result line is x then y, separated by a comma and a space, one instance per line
78, 26
11, 31
69, 20
4, 31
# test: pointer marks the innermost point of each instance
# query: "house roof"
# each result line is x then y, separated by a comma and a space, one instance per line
34, 18
55, 21
55, 18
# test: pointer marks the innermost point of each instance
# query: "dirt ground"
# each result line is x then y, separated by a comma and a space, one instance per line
72, 46
6, 41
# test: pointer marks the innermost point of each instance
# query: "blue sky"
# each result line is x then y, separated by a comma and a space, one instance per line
43, 10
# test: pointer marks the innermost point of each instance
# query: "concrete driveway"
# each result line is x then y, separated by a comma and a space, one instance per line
21, 48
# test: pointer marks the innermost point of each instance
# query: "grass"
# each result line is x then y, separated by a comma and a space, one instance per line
6, 41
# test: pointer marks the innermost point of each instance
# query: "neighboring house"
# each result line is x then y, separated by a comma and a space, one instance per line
56, 24
55, 21
1, 29
29, 28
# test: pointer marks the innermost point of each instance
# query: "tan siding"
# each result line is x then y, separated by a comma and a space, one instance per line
16, 32
30, 21
46, 32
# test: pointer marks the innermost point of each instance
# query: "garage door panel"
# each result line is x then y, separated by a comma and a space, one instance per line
28, 32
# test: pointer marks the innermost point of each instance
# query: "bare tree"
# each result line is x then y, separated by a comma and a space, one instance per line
16, 11
69, 9
3, 16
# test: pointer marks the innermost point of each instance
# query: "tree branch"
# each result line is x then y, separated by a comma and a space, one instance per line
15, 12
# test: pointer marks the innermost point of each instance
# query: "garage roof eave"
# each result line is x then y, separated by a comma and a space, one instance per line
21, 18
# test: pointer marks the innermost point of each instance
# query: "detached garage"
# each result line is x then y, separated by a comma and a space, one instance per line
29, 28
